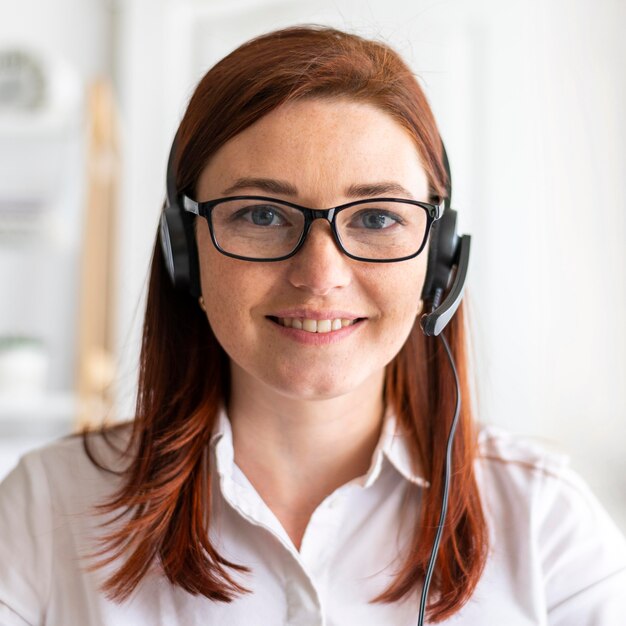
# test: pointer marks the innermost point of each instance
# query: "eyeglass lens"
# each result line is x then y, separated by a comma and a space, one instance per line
259, 229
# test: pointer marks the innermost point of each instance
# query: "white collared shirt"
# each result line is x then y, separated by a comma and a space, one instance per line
555, 557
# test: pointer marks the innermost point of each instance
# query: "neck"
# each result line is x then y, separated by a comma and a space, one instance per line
297, 452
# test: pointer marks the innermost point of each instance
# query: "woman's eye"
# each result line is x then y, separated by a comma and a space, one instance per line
375, 220
263, 216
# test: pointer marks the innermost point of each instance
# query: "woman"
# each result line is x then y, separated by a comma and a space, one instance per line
287, 457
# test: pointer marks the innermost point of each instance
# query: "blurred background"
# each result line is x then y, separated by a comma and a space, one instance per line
530, 98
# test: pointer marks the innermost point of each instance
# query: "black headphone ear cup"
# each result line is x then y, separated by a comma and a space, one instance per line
180, 251
427, 290
442, 253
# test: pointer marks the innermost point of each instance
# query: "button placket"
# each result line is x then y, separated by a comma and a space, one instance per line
320, 539
303, 603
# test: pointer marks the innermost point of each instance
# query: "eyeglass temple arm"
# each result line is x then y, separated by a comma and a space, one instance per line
190, 205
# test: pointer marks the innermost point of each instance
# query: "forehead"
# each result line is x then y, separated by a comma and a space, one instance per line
321, 146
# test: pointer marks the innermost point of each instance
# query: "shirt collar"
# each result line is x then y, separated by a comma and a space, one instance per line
392, 446
222, 444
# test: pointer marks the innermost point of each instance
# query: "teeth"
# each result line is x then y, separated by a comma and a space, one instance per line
314, 326
323, 326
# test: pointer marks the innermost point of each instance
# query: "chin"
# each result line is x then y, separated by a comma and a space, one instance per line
323, 387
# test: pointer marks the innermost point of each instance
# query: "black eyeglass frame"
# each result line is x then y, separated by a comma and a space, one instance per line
204, 209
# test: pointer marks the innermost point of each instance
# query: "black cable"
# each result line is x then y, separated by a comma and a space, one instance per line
446, 485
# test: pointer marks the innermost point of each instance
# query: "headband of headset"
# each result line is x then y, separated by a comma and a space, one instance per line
448, 253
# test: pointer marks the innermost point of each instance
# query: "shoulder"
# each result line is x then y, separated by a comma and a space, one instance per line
532, 470
524, 468
46, 515
68, 471
525, 474
546, 524
496, 445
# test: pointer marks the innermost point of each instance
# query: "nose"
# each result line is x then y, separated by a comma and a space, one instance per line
320, 266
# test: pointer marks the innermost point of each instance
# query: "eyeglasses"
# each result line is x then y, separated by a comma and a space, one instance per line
256, 228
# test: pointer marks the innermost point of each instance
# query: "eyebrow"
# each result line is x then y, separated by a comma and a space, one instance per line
272, 185
378, 189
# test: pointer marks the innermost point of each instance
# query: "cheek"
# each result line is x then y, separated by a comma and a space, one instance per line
401, 313
398, 293
231, 289
227, 317
400, 288
219, 278
221, 291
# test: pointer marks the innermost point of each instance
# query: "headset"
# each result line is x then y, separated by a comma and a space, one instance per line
448, 260
446, 272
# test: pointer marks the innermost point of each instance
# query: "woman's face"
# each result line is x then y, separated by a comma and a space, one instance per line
316, 153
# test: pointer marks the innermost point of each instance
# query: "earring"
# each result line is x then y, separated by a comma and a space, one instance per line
201, 303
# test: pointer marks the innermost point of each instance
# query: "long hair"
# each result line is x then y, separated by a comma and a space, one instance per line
165, 496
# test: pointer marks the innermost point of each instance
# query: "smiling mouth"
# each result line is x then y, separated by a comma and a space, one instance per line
314, 326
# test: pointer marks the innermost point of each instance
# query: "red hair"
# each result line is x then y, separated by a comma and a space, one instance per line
165, 495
